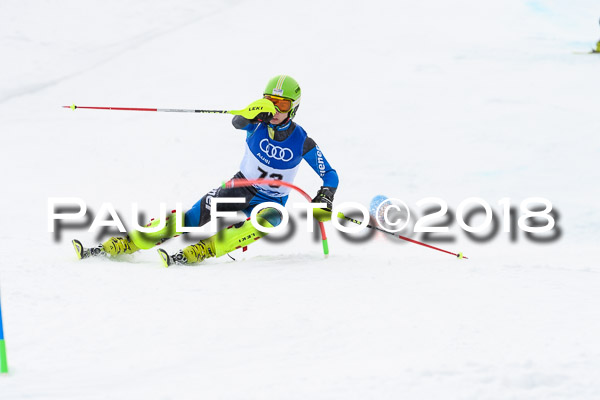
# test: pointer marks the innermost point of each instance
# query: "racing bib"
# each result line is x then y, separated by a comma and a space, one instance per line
266, 158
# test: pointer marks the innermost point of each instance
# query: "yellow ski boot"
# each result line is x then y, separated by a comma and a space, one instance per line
118, 245
112, 247
233, 237
192, 254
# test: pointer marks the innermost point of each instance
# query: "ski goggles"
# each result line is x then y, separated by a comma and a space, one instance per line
282, 104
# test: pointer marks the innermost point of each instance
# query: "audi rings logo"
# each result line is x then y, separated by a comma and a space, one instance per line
275, 152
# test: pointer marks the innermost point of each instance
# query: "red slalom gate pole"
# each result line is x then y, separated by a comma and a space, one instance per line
180, 110
249, 182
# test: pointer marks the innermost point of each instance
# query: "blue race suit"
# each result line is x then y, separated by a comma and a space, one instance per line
272, 152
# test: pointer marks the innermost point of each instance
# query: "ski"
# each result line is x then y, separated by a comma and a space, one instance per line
168, 260
83, 252
165, 257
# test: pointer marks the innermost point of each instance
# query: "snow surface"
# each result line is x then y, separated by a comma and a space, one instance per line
408, 99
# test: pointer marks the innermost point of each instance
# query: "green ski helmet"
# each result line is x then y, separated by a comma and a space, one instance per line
285, 86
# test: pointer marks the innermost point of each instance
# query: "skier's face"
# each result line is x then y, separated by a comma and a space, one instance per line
279, 118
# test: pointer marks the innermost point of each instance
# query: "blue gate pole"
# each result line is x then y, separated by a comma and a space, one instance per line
3, 363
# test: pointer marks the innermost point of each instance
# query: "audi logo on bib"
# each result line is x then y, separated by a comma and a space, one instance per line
275, 152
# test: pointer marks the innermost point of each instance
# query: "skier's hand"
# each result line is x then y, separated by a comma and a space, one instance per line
325, 195
264, 117
260, 108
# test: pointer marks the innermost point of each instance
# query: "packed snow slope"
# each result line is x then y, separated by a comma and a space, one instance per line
406, 99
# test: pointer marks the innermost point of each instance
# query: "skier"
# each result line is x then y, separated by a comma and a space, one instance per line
275, 146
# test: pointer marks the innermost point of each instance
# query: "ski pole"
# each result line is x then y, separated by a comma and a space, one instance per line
181, 110
342, 216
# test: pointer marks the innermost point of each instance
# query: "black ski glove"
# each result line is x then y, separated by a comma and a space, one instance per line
325, 195
265, 117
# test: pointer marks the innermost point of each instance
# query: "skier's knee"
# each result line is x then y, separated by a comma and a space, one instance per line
269, 217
